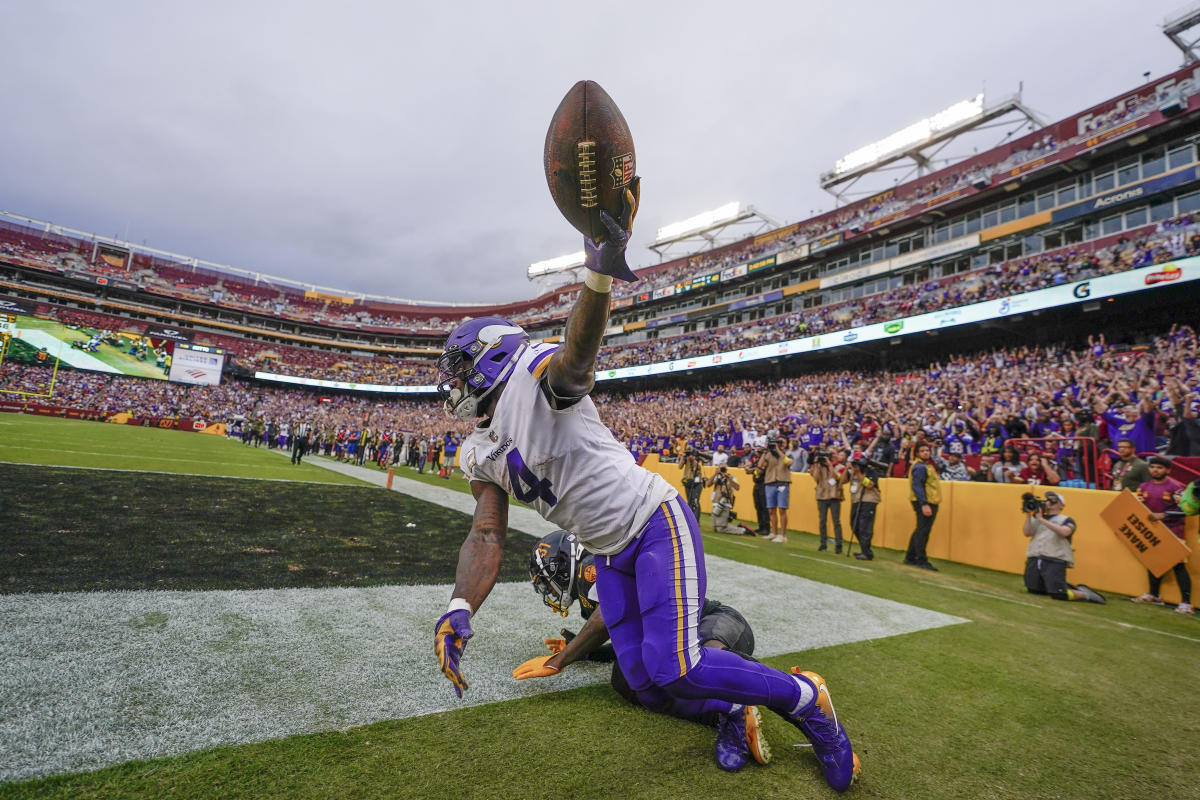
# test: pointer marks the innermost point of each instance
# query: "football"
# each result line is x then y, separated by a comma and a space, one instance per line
589, 157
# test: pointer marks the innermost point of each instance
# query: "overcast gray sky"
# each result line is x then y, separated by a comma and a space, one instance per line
396, 148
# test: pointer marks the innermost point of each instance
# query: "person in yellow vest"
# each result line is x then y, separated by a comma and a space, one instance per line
925, 493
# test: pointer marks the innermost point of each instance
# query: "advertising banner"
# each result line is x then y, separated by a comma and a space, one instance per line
15, 305
1126, 194
825, 242
197, 364
1181, 271
793, 254
174, 334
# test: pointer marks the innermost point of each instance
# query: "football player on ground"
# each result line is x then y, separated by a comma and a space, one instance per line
563, 572
540, 439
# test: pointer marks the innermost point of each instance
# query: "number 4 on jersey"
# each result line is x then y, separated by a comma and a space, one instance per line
526, 486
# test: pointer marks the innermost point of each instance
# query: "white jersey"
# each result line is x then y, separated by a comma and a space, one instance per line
565, 464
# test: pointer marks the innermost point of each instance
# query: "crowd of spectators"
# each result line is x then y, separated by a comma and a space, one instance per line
1170, 239
968, 407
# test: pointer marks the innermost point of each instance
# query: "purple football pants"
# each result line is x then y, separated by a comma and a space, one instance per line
652, 593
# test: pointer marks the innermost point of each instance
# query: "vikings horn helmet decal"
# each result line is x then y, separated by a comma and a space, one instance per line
479, 355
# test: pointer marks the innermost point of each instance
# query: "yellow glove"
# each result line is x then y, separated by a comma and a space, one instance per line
556, 646
535, 668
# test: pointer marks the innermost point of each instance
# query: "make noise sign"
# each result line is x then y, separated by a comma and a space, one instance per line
1151, 542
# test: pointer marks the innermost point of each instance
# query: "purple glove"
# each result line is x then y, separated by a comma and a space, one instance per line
607, 256
450, 639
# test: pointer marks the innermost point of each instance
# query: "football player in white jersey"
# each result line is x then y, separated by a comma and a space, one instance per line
540, 439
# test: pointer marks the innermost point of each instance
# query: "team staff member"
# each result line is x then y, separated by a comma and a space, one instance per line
925, 493
539, 438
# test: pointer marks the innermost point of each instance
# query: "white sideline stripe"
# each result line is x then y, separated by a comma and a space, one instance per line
981, 594
1151, 630
740, 544
829, 561
179, 474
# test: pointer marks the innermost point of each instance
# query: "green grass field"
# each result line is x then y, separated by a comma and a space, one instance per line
77, 443
1030, 699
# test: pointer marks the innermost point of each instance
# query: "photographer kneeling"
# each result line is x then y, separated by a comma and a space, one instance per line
1050, 552
724, 485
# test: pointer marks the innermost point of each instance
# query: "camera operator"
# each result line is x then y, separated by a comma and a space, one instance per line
864, 499
1050, 553
829, 482
777, 480
693, 481
758, 475
724, 488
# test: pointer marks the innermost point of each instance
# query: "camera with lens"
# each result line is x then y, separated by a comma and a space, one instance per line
720, 479
1032, 504
822, 457
773, 445
870, 467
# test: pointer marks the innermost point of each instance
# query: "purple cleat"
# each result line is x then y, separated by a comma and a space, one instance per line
740, 738
732, 751
818, 721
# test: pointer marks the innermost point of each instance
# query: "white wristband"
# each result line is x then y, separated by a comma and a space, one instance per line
457, 604
597, 282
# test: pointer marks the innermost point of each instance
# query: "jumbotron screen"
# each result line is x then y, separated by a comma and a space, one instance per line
139, 354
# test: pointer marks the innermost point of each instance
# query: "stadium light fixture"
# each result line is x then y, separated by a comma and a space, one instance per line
718, 216
916, 133
552, 265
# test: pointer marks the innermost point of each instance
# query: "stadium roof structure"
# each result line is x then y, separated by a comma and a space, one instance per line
711, 229
1177, 26
918, 149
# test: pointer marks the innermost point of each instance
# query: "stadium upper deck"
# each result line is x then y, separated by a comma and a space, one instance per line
1113, 169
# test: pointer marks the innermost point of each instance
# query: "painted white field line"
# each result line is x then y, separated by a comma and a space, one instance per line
981, 594
741, 544
117, 454
1151, 630
829, 561
179, 474
92, 679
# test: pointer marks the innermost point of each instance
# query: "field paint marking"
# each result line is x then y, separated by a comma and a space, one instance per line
830, 562
742, 544
1151, 630
141, 456
178, 474
91, 679
981, 594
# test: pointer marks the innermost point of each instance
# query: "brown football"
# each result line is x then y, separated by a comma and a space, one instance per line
589, 157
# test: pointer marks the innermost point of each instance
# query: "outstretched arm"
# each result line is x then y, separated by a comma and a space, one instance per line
593, 634
478, 567
479, 557
570, 373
